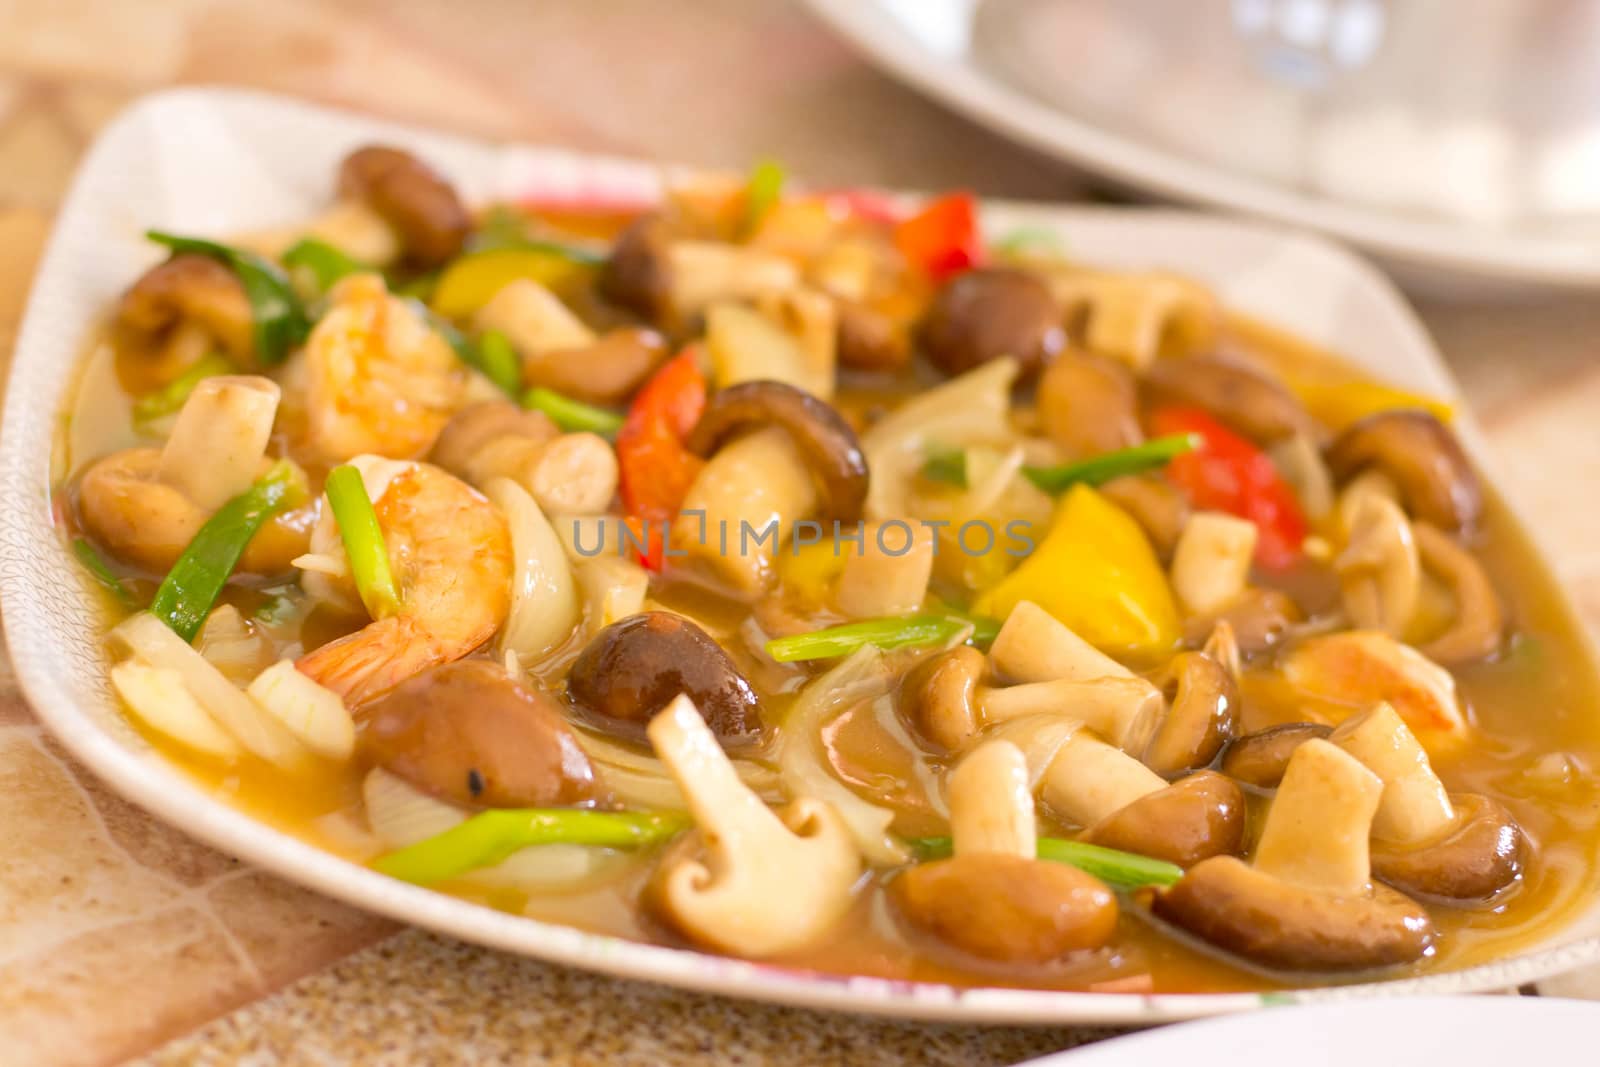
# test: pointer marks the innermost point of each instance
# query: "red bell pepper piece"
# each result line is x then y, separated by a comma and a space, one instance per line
655, 468
1228, 473
943, 238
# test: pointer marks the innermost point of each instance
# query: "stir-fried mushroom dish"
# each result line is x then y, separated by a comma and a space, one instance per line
800, 577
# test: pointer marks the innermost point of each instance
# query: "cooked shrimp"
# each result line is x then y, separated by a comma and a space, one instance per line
450, 552
377, 377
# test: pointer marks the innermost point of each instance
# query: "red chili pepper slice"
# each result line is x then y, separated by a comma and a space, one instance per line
655, 468
943, 238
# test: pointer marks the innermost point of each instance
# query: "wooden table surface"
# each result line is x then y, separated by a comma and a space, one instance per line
118, 935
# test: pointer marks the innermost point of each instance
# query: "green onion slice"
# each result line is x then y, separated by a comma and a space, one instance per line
762, 193
363, 541
507, 229
325, 262
498, 361
191, 587
490, 837
902, 631
1098, 470
1119, 870
280, 320
947, 465
501, 367
170, 397
1026, 239
101, 572
572, 415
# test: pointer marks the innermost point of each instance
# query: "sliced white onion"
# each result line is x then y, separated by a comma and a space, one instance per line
402, 815
544, 597
640, 780
156, 696
862, 677
150, 641
315, 715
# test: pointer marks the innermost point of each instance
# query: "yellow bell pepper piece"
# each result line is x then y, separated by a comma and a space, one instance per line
1338, 404
808, 571
1096, 572
471, 281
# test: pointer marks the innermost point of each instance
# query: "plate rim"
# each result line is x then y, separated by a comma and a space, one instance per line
1478, 253
150, 782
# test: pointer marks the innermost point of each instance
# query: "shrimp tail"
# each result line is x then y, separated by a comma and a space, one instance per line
373, 660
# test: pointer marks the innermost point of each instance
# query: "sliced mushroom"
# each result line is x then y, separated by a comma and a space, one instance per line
1126, 805
1211, 564
1089, 404
470, 733
1204, 707
1306, 902
1156, 504
1380, 574
1238, 395
1423, 457
1359, 668
992, 898
749, 881
1423, 840
1259, 759
820, 433
1479, 624
634, 668
178, 310
988, 313
420, 205
940, 697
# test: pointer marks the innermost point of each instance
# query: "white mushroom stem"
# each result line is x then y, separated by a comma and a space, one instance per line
888, 574
533, 319
764, 884
220, 438
1088, 780
1211, 563
1035, 646
991, 804
812, 319
705, 272
1316, 831
1415, 806
1380, 573
742, 506
1125, 710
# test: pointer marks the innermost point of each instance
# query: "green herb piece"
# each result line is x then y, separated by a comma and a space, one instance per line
191, 587
947, 465
506, 229
101, 572
1117, 869
1025, 239
498, 361
572, 415
280, 320
762, 193
363, 541
1098, 470
325, 262
902, 631
490, 837
170, 397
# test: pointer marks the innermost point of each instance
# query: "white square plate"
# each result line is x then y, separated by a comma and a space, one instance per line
216, 162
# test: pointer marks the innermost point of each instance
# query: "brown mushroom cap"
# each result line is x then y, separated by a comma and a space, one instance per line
1260, 618
1240, 396
1423, 457
635, 667
1259, 759
412, 198
1479, 857
1190, 820
470, 733
1157, 505
824, 438
476, 425
638, 274
1205, 704
1005, 908
191, 288
1241, 910
605, 372
1089, 404
941, 697
988, 313
870, 340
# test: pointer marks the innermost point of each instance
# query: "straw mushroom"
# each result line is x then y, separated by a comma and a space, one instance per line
566, 473
670, 280
1259, 759
749, 881
420, 206
1157, 505
942, 704
1238, 395
1204, 706
179, 310
984, 314
634, 668
1260, 618
1306, 902
1089, 404
1424, 841
1424, 459
992, 898
1479, 623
